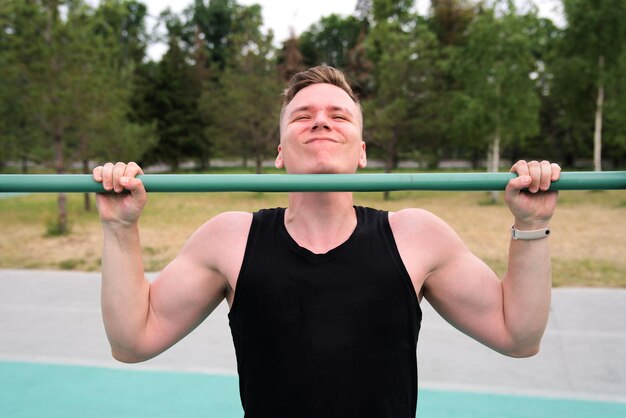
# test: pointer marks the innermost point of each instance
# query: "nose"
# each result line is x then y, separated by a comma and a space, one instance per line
320, 122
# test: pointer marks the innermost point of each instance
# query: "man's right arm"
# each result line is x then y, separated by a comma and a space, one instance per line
143, 319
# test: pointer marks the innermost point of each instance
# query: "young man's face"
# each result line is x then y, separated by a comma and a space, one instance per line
321, 132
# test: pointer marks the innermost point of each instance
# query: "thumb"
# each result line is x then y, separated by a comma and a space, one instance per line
518, 184
133, 185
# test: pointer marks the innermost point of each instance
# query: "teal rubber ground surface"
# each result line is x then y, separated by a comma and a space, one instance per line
36, 390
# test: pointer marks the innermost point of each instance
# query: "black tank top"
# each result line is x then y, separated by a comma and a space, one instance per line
325, 335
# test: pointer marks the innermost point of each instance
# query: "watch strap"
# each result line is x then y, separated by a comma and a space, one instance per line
529, 235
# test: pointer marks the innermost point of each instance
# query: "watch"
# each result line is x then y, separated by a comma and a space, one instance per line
529, 235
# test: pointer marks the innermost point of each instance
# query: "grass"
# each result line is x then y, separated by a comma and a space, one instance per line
588, 241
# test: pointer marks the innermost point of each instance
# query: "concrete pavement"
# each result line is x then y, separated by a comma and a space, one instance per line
54, 317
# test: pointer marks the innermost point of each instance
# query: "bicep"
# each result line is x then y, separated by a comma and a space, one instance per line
190, 287
181, 297
466, 292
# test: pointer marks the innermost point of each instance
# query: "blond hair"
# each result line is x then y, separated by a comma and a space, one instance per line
322, 74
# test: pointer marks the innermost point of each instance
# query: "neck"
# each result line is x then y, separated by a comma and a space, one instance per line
320, 221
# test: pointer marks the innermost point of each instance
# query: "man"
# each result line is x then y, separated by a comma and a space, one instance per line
324, 295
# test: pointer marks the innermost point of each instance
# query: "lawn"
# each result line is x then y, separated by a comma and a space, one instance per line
588, 240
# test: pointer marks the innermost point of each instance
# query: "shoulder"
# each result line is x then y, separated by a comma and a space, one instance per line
416, 220
232, 218
224, 232
418, 231
219, 244
226, 225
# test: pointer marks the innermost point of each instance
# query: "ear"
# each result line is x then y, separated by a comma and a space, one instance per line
279, 163
363, 156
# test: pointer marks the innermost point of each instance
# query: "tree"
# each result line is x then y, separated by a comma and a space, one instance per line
204, 43
596, 38
392, 11
328, 41
360, 68
72, 82
220, 22
20, 51
403, 106
552, 142
450, 20
52, 88
498, 103
243, 103
290, 59
122, 23
173, 95
615, 138
112, 46
400, 112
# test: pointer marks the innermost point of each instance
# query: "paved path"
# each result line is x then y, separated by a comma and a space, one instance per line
54, 317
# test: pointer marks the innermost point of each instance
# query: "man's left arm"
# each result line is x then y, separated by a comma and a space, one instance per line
526, 286
508, 315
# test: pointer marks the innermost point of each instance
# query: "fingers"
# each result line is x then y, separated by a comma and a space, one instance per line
97, 174
535, 176
556, 171
118, 177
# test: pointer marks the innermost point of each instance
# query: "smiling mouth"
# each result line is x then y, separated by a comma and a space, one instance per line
323, 139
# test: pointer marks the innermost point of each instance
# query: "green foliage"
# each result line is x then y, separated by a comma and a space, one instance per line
329, 41
76, 85
596, 28
615, 112
396, 11
174, 95
21, 52
591, 62
451, 19
242, 107
216, 21
405, 89
123, 24
223, 24
69, 78
497, 99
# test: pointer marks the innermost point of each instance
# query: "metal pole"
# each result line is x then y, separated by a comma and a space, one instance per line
79, 183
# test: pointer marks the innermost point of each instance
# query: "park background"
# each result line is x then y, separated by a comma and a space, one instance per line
460, 85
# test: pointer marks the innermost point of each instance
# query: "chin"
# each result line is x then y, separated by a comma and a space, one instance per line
320, 167
333, 170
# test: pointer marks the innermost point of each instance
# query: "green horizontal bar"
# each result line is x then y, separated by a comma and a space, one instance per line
76, 183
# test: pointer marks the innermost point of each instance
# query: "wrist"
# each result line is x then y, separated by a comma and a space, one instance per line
124, 237
120, 228
531, 224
